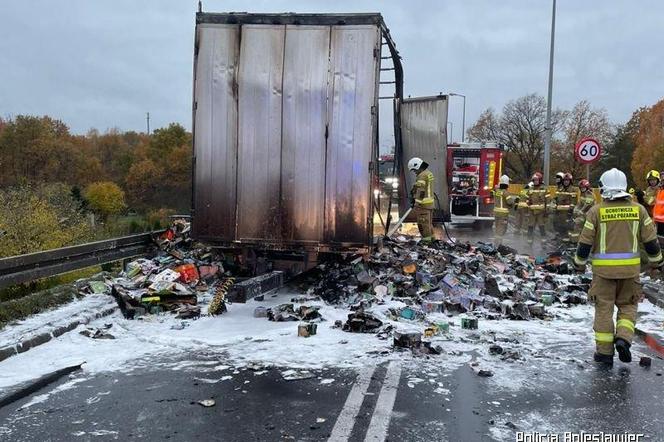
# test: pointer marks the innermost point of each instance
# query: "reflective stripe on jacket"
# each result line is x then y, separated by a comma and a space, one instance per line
566, 197
614, 230
537, 197
503, 200
423, 189
650, 195
586, 201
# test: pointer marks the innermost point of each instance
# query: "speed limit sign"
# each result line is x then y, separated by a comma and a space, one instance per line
587, 150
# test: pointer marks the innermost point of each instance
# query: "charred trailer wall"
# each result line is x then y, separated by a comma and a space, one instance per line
285, 129
424, 135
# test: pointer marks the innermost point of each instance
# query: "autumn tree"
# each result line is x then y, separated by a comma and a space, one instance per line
41, 149
143, 183
649, 151
105, 197
520, 127
582, 121
619, 152
40, 218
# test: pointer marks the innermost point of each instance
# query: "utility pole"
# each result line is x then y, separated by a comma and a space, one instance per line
147, 119
548, 129
463, 122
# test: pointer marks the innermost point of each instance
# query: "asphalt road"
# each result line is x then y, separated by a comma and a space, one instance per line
394, 401
405, 399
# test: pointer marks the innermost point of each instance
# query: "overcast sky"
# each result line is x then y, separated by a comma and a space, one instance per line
105, 63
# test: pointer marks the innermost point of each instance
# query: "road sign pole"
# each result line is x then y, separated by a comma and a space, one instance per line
588, 172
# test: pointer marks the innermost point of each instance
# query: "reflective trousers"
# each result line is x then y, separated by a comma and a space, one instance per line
560, 220
499, 228
424, 222
521, 220
536, 220
607, 294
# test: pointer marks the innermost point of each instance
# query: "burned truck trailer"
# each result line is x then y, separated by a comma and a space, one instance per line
285, 128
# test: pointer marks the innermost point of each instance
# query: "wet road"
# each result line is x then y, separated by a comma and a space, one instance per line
407, 398
396, 400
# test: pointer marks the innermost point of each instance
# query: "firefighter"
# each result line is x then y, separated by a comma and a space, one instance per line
613, 230
521, 207
422, 198
537, 198
566, 196
653, 180
503, 200
559, 179
658, 215
586, 201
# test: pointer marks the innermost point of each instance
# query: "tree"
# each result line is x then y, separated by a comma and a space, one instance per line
41, 149
143, 183
486, 128
40, 218
165, 140
105, 197
619, 152
649, 151
521, 128
582, 121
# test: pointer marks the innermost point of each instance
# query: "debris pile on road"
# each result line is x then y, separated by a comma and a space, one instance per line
453, 279
423, 285
170, 281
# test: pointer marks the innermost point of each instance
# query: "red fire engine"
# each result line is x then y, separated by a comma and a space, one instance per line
473, 169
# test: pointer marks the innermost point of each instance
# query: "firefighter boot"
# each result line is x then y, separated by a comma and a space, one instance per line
531, 235
622, 347
604, 360
542, 231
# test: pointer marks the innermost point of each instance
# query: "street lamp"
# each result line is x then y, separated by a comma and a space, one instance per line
463, 122
451, 131
547, 128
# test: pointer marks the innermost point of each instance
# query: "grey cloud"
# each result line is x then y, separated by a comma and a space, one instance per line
105, 63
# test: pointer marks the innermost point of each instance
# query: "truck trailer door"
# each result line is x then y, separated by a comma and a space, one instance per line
424, 135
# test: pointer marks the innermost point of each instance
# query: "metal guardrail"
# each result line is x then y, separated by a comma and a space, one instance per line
25, 268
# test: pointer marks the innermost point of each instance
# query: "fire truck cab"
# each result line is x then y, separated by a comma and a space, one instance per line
473, 169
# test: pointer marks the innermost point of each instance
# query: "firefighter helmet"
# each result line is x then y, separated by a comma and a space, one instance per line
537, 176
504, 180
568, 176
613, 184
415, 163
560, 176
530, 185
584, 184
653, 175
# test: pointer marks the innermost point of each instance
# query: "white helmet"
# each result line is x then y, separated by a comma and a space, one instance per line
504, 180
613, 184
560, 176
415, 163
531, 185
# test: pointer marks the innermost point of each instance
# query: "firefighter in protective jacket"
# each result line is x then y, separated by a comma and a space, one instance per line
586, 201
650, 194
503, 200
537, 198
522, 219
422, 197
613, 232
566, 196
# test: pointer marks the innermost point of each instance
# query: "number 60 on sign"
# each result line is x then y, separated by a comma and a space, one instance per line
587, 150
